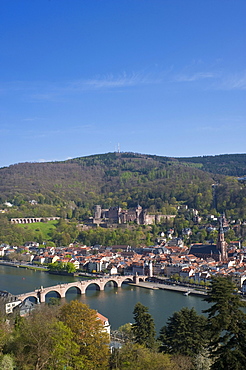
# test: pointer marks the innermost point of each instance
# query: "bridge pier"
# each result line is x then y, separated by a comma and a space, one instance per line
136, 278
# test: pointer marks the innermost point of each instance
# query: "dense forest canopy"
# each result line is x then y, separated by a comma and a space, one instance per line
225, 164
72, 188
120, 177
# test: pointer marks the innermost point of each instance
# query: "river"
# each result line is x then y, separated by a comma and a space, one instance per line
116, 304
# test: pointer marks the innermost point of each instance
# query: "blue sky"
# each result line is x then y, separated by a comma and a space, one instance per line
80, 77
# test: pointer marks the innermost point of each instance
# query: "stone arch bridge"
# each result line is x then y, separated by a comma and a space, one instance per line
80, 286
31, 220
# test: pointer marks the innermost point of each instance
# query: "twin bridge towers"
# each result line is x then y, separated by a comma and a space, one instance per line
81, 286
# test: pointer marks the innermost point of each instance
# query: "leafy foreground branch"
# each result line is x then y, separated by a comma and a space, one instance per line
70, 337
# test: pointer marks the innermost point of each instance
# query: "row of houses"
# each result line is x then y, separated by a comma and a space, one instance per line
164, 259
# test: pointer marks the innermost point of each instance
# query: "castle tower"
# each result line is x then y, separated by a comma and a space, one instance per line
221, 243
98, 212
138, 213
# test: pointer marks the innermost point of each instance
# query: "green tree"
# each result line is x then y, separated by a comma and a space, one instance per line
227, 325
230, 235
56, 266
53, 301
5, 333
137, 357
183, 362
184, 333
41, 342
89, 334
64, 349
6, 362
126, 333
203, 361
144, 327
70, 267
148, 239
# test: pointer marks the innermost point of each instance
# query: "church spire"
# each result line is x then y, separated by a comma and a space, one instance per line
221, 243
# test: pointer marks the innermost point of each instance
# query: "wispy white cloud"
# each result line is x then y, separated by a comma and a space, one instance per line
123, 80
51, 91
195, 76
64, 90
218, 80
110, 81
100, 83
234, 82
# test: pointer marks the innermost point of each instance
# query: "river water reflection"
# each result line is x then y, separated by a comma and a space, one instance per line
116, 304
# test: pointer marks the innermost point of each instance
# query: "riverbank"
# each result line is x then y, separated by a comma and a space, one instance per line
23, 266
84, 275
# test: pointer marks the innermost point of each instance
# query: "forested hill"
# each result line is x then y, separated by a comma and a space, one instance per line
225, 164
116, 178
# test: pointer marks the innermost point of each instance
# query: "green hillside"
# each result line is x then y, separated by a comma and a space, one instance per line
109, 179
225, 164
124, 179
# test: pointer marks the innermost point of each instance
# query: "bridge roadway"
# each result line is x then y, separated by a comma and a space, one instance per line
81, 286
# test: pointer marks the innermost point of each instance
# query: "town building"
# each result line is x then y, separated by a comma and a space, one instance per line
216, 251
105, 322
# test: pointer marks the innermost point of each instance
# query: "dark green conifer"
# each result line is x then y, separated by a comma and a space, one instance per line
184, 333
227, 325
144, 327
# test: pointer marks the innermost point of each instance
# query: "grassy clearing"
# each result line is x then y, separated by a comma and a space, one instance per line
44, 228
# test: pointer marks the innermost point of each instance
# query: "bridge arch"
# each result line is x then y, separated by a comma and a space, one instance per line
32, 298
50, 293
110, 283
128, 279
91, 285
74, 287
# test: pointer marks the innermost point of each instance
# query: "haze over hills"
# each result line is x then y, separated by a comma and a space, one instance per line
112, 178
